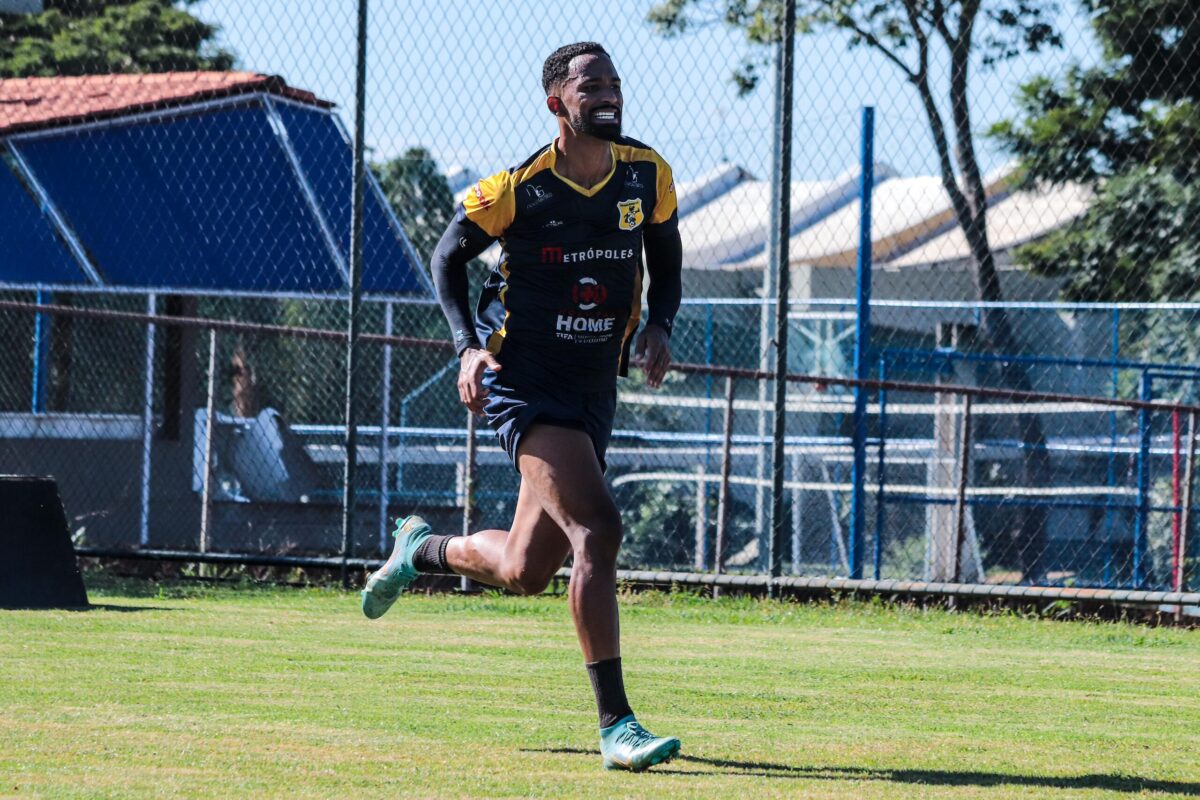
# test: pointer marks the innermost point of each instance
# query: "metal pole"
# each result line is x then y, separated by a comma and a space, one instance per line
1111, 471
210, 410
355, 323
700, 531
147, 426
881, 472
1141, 521
41, 354
468, 517
782, 289
797, 514
768, 294
960, 501
385, 413
862, 345
1176, 488
723, 488
1188, 489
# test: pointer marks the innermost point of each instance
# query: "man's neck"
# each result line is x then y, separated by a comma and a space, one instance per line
582, 159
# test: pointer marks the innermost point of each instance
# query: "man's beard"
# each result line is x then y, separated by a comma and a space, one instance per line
607, 131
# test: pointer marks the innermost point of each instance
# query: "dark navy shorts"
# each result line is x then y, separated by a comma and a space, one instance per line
511, 410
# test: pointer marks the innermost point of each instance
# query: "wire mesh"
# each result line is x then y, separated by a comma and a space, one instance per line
1033, 196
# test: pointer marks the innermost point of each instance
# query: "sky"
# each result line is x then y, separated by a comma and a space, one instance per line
462, 79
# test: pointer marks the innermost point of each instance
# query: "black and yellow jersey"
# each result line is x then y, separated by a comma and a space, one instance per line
563, 302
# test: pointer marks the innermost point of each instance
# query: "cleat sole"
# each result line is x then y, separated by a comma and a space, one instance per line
663, 757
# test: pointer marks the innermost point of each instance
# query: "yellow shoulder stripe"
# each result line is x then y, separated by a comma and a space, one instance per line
491, 204
543, 162
665, 183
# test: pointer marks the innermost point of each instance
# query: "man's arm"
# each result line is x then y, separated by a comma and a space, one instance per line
664, 263
462, 241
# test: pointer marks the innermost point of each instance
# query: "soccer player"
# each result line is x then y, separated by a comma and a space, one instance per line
540, 358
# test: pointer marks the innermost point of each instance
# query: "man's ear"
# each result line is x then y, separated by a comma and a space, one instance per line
554, 104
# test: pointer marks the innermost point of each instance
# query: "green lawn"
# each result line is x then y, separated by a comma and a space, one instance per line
199, 692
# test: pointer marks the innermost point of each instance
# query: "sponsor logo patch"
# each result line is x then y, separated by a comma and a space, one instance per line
588, 293
536, 195
483, 200
557, 255
631, 214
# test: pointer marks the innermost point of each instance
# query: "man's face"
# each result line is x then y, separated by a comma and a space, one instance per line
591, 97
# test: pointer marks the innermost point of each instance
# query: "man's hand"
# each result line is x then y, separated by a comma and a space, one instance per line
470, 377
652, 352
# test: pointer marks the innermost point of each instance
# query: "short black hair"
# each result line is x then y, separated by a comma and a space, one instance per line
557, 65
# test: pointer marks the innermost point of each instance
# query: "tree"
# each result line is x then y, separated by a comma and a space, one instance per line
419, 194
1128, 127
911, 34
88, 37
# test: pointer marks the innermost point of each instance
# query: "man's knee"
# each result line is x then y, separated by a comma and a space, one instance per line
527, 579
598, 538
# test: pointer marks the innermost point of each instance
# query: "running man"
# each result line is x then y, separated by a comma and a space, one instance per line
540, 359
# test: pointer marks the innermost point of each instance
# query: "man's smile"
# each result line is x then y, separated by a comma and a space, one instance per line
606, 114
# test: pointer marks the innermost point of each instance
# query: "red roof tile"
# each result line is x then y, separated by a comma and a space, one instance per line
30, 103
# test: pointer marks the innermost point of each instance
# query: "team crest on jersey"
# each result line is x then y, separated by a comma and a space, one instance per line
631, 213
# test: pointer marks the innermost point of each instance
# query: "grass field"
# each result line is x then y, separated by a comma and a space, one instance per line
199, 692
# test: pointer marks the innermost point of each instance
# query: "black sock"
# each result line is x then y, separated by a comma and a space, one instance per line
431, 555
610, 691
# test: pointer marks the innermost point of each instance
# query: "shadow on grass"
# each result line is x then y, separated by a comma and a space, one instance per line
931, 777
122, 609
90, 607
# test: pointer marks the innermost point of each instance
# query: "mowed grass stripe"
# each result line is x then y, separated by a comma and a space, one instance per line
201, 692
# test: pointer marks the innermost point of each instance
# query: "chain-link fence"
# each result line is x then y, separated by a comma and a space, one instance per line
1031, 210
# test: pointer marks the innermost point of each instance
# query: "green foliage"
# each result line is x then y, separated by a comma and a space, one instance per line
92, 37
1099, 258
660, 524
420, 196
659, 531
894, 27
1130, 128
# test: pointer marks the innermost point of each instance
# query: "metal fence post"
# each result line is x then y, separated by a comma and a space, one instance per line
41, 354
700, 534
960, 500
355, 322
862, 345
1188, 489
147, 426
877, 555
782, 291
1111, 469
385, 413
1141, 533
210, 412
465, 584
1176, 490
723, 488
761, 515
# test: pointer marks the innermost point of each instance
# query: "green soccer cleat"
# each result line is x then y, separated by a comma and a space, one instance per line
385, 584
627, 745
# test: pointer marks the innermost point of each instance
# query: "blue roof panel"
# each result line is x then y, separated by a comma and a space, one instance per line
327, 159
30, 252
204, 200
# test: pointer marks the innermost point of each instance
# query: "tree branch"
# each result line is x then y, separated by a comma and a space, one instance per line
874, 41
938, 18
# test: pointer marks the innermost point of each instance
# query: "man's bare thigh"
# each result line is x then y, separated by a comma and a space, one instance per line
560, 467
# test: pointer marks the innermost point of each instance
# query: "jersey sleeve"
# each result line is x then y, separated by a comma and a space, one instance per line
666, 205
491, 204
